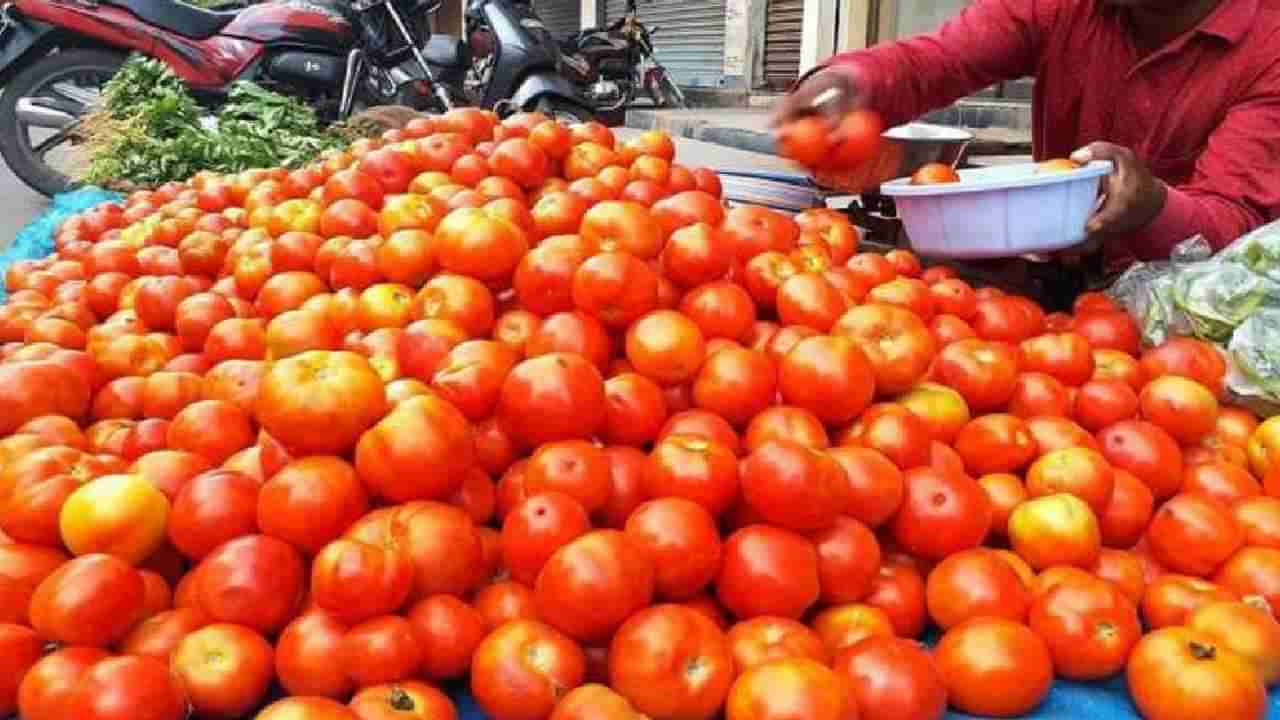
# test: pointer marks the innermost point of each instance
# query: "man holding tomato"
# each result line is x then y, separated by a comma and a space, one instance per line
1182, 95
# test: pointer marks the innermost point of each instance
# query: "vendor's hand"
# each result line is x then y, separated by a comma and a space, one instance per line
1132, 196
829, 92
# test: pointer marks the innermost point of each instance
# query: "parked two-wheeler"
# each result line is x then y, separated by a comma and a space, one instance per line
613, 65
506, 61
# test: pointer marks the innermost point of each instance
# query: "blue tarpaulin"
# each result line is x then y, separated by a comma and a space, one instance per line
1067, 701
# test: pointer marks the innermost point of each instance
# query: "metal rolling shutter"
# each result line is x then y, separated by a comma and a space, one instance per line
783, 21
690, 39
562, 17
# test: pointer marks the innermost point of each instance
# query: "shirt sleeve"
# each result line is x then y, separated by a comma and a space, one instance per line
1236, 183
988, 42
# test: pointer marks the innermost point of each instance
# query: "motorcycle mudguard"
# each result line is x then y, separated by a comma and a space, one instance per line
537, 85
17, 36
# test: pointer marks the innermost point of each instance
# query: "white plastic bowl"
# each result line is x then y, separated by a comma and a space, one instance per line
1002, 211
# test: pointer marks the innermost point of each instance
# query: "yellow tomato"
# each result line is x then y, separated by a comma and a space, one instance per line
120, 515
1055, 529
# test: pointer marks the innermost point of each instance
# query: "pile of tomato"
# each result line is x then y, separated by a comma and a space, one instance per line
524, 406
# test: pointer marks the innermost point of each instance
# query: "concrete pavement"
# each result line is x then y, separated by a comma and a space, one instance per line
19, 205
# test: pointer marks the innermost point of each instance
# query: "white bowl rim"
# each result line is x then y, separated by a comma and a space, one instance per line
902, 187
927, 132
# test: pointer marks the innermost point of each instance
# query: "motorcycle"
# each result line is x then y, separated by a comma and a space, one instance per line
507, 61
337, 55
612, 64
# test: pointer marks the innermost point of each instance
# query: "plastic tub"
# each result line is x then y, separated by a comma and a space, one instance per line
1002, 211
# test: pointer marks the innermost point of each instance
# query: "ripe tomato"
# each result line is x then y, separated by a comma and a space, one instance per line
1171, 599
121, 515
123, 688
1253, 571
523, 668
1193, 534
1259, 518
875, 484
255, 580
535, 529
894, 431
1187, 358
720, 309
1174, 670
307, 708
975, 583
765, 639
21, 648
381, 650
671, 662
695, 468
1245, 629
424, 431
311, 501
736, 384
635, 410
591, 585
896, 342
1184, 408
559, 396
91, 600
305, 656
51, 680
806, 140
355, 581
794, 487
1079, 471
993, 666
1089, 628
985, 373
682, 540
768, 571
848, 560
224, 670
942, 513
301, 396
666, 346
593, 702
829, 376
995, 443
794, 688
892, 678
1055, 529
1147, 451
1036, 393
843, 626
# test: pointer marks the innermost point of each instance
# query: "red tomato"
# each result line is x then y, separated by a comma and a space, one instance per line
20, 649
224, 670
671, 662
1147, 451
355, 581
794, 487
792, 688
995, 443
52, 680
521, 670
694, 468
91, 600
307, 708
552, 397
1079, 471
765, 639
382, 650
306, 657
683, 541
1171, 599
255, 581
1193, 534
985, 373
875, 484
768, 571
975, 583
124, 688
591, 585
993, 666
536, 529
575, 467
941, 514
1207, 674
892, 678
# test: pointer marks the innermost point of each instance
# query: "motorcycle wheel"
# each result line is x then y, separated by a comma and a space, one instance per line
665, 92
564, 111
43, 104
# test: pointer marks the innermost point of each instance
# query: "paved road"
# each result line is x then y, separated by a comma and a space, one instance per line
18, 205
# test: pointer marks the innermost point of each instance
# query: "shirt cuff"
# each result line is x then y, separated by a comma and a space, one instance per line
1175, 223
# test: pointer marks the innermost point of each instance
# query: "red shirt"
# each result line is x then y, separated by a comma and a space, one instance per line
1203, 112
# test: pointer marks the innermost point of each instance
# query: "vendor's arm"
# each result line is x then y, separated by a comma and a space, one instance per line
988, 42
1234, 189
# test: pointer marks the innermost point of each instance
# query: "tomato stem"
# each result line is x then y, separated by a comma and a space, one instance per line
1201, 651
400, 699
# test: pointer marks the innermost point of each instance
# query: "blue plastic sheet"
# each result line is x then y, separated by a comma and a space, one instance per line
36, 239
1067, 701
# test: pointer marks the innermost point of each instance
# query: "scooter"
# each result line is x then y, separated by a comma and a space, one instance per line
613, 64
507, 62
57, 55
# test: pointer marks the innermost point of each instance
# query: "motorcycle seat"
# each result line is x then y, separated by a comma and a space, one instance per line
445, 51
178, 17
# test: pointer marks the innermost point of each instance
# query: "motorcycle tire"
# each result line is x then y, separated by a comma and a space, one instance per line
563, 110
15, 147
